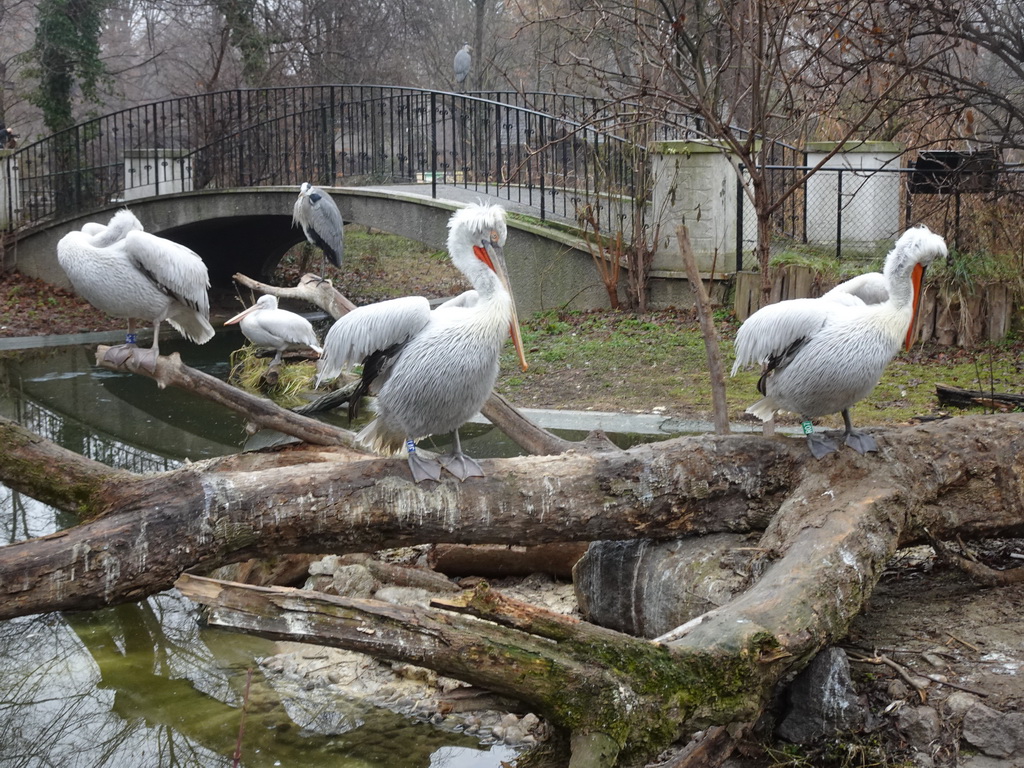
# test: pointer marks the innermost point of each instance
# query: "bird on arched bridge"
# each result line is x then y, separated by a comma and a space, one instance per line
126, 272
267, 326
433, 369
321, 222
463, 62
821, 356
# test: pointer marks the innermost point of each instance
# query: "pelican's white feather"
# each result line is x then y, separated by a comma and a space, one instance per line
368, 329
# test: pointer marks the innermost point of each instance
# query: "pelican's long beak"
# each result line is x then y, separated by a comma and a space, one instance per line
493, 255
240, 315
916, 278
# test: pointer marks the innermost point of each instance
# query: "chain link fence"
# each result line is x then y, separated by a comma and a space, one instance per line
850, 213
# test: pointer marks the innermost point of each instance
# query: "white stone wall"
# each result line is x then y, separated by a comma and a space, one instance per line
10, 194
695, 184
870, 201
149, 172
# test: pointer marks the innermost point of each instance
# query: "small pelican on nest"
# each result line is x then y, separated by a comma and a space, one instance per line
128, 273
267, 326
822, 355
433, 369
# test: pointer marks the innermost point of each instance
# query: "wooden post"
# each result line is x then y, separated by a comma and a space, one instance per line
707, 326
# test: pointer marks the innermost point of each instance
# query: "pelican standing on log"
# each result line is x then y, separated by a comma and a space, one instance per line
318, 215
433, 369
821, 356
129, 273
267, 326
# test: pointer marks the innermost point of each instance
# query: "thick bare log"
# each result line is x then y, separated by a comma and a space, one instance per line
311, 288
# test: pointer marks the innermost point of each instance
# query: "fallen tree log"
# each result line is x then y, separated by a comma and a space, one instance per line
975, 398
828, 527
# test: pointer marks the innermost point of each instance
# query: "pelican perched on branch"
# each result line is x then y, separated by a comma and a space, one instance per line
318, 215
267, 326
433, 369
129, 273
822, 355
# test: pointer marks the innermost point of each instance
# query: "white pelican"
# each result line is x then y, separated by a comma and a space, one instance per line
434, 369
318, 215
128, 273
267, 326
822, 355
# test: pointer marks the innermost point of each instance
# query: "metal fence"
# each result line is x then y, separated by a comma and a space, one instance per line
854, 213
328, 135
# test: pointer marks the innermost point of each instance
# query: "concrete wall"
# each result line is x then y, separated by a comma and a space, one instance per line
695, 184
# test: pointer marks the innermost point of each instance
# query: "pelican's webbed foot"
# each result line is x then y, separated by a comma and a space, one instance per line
146, 359
458, 463
461, 465
821, 445
422, 468
119, 355
862, 443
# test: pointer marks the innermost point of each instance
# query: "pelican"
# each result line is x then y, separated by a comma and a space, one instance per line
129, 273
321, 221
433, 369
267, 326
463, 62
822, 355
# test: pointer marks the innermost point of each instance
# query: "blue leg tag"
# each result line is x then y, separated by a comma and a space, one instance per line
129, 339
410, 446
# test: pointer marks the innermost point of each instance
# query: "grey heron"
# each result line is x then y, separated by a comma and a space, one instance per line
318, 215
822, 355
434, 369
463, 62
129, 273
268, 327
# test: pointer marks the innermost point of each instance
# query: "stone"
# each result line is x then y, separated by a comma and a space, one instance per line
822, 700
993, 732
957, 703
921, 726
354, 581
325, 567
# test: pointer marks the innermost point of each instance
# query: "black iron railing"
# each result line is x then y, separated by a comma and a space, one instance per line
329, 135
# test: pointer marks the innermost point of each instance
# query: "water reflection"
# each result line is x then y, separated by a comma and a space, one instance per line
143, 685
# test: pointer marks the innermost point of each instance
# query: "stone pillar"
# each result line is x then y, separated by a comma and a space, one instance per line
695, 184
865, 211
151, 172
10, 193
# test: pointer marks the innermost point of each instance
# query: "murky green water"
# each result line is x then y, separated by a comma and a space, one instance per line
143, 685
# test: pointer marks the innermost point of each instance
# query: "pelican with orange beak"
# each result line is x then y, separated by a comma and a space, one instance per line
433, 369
820, 356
